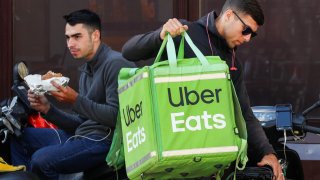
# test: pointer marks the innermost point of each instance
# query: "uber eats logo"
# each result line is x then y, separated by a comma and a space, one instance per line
131, 115
189, 97
181, 121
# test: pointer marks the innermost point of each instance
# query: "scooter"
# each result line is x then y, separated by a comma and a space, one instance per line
14, 111
281, 126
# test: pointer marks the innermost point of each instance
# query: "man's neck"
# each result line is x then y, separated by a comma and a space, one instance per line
219, 27
94, 52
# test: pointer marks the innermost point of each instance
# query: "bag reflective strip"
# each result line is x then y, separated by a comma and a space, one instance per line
141, 161
200, 151
134, 81
189, 78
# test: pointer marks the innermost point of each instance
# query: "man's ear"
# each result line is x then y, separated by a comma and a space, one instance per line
96, 35
228, 14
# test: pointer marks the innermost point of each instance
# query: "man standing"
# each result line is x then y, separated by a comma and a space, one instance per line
220, 35
84, 137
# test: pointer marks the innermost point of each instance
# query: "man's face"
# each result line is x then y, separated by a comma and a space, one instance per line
234, 27
79, 41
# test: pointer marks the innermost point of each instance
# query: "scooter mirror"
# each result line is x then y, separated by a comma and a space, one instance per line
20, 70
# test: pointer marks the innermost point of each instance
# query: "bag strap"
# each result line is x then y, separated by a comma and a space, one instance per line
219, 174
115, 156
194, 48
163, 45
171, 52
181, 48
241, 125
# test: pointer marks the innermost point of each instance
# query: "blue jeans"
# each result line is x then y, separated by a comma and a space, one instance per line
48, 155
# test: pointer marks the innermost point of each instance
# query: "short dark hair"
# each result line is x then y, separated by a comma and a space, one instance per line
250, 7
85, 17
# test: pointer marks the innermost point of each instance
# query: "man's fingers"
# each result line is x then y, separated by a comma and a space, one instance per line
33, 104
33, 98
61, 94
56, 85
173, 27
31, 94
272, 161
184, 27
279, 175
54, 93
277, 171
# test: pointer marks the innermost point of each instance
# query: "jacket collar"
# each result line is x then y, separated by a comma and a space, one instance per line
211, 17
90, 66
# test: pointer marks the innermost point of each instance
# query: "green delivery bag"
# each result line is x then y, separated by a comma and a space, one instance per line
180, 118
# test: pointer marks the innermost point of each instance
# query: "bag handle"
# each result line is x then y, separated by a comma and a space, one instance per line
164, 42
171, 52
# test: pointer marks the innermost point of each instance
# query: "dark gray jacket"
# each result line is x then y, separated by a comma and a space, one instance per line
96, 107
145, 46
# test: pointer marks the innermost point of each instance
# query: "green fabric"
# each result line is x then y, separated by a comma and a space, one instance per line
180, 118
115, 157
241, 124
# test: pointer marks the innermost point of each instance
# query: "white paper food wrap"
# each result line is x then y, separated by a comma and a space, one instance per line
39, 86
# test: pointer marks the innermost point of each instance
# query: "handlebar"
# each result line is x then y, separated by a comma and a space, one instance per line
311, 129
284, 119
299, 121
308, 110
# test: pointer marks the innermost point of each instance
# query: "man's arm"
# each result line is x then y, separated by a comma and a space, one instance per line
66, 121
256, 136
104, 113
145, 46
63, 120
142, 46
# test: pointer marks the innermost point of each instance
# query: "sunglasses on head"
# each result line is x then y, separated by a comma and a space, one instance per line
247, 30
